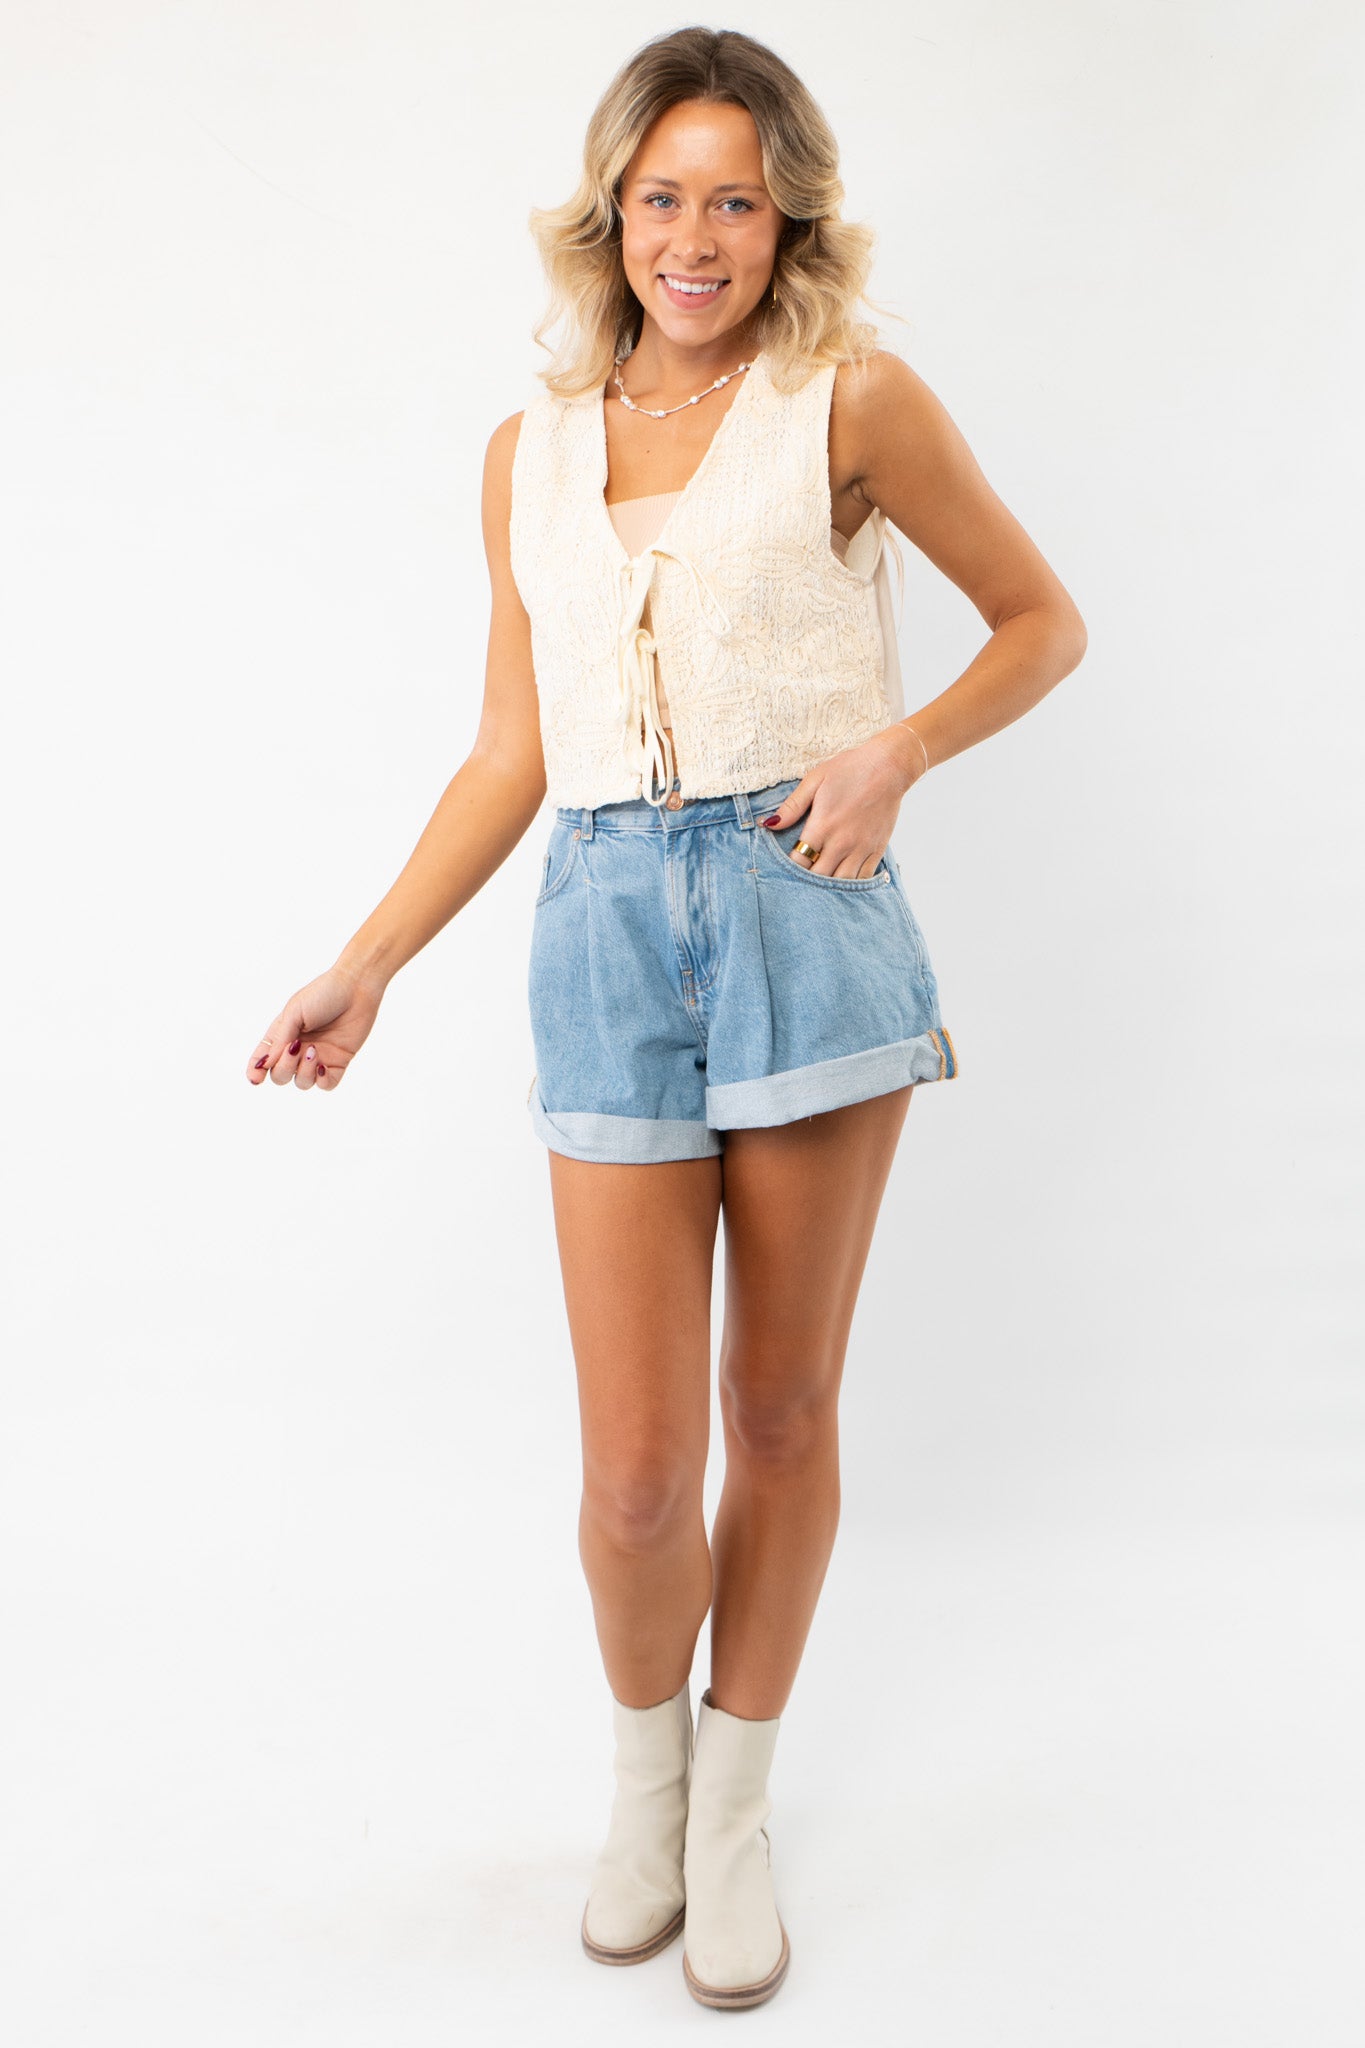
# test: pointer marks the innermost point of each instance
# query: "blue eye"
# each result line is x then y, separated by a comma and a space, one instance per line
668, 197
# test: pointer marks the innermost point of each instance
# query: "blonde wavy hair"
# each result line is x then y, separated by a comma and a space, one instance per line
822, 262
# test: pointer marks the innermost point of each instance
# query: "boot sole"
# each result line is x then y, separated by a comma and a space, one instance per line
725, 1996
642, 1950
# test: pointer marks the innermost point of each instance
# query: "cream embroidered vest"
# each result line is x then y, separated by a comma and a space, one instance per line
768, 645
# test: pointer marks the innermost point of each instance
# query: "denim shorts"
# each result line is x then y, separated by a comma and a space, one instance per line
687, 978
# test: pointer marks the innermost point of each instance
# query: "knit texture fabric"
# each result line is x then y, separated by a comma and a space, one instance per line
768, 645
638, 521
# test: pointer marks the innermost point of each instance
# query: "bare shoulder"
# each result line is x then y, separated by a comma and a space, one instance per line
879, 378
497, 495
497, 468
502, 448
876, 397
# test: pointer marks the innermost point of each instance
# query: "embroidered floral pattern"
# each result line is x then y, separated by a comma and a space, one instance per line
768, 646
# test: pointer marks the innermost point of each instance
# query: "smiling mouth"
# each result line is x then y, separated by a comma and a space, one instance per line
694, 289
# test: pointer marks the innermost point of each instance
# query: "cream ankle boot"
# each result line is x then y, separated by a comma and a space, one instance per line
735, 1948
635, 1902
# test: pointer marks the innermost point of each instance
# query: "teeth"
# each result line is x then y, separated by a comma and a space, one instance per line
678, 285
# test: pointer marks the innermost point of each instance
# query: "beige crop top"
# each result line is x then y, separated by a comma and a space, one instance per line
638, 521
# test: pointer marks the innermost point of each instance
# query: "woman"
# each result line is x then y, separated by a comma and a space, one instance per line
690, 654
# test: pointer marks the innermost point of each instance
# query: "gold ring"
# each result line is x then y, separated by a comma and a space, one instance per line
802, 846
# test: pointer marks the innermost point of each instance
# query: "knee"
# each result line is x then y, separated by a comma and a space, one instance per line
779, 1424
640, 1505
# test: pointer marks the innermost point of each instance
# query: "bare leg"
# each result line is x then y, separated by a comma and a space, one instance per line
636, 1247
800, 1203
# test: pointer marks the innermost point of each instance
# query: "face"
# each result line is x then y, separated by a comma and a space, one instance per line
696, 212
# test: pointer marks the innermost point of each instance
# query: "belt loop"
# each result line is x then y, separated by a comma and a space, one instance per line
585, 822
743, 810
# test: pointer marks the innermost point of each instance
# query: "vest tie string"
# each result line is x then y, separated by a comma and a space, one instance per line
647, 744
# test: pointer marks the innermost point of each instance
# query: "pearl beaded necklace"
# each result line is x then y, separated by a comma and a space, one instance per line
626, 399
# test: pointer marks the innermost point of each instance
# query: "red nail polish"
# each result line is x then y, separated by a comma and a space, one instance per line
321, 1068
262, 1060
295, 1046
773, 820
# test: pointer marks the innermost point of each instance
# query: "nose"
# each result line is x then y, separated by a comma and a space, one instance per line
692, 237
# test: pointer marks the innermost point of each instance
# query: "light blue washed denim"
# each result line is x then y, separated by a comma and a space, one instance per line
687, 978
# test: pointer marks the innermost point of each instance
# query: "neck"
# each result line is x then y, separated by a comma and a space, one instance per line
665, 372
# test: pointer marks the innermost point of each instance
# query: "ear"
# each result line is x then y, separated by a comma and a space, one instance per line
793, 806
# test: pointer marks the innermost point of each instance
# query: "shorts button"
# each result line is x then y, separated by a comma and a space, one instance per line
674, 802
577, 833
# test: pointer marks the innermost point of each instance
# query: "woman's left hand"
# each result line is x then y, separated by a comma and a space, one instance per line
850, 803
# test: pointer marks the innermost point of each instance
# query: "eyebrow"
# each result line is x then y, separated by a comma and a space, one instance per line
672, 183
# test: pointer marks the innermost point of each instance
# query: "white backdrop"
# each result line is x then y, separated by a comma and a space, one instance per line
306, 1731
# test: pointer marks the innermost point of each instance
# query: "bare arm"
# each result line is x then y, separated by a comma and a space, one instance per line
483, 812
915, 465
493, 796
899, 450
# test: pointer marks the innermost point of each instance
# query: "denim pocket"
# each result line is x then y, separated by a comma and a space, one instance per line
560, 858
781, 839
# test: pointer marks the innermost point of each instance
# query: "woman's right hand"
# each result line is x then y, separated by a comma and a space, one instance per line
318, 1032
